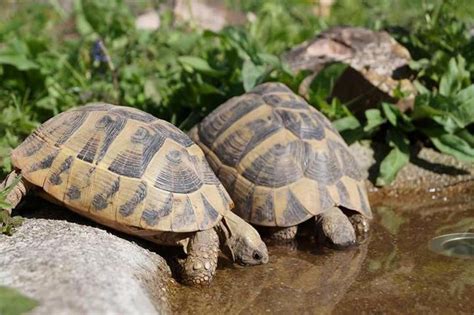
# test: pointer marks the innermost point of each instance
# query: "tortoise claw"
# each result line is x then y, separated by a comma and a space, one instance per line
200, 266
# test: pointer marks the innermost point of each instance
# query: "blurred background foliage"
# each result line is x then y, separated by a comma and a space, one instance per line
52, 59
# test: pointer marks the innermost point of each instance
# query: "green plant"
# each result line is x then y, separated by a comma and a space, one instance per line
51, 61
7, 222
14, 303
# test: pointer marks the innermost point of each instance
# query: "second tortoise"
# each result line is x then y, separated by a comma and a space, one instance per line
283, 163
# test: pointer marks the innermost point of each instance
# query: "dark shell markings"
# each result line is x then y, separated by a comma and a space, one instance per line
271, 149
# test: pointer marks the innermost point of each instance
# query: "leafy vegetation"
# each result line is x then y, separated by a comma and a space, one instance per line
443, 113
51, 61
14, 303
8, 224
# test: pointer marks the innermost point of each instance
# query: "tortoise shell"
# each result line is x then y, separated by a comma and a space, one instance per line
280, 159
123, 166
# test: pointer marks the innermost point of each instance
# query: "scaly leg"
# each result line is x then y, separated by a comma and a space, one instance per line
335, 225
283, 233
17, 193
201, 263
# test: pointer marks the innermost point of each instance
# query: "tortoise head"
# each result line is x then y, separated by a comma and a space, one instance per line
242, 242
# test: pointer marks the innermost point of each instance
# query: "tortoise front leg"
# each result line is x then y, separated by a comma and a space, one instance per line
283, 233
16, 193
335, 225
201, 263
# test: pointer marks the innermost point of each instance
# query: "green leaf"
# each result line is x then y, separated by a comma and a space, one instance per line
269, 59
390, 113
205, 88
352, 135
397, 118
374, 119
464, 111
151, 91
182, 43
82, 26
349, 128
8, 224
346, 123
251, 74
455, 146
466, 136
455, 77
199, 65
398, 157
13, 302
20, 62
453, 113
4, 192
324, 82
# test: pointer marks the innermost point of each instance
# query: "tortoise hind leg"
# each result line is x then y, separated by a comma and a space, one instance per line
16, 193
335, 225
283, 233
201, 263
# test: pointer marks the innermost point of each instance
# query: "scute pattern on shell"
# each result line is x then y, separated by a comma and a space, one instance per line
119, 165
280, 159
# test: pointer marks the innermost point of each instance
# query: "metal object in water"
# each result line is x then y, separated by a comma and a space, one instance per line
459, 245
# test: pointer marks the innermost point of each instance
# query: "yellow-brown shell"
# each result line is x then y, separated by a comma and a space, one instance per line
120, 165
281, 160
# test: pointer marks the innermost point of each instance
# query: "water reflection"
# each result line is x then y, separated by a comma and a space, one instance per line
392, 270
301, 281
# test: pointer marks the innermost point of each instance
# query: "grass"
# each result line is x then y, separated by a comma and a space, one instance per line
51, 61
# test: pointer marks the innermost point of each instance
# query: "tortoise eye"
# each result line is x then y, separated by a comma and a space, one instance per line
256, 255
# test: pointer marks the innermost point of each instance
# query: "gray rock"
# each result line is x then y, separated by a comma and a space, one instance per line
207, 14
427, 170
377, 66
78, 269
149, 21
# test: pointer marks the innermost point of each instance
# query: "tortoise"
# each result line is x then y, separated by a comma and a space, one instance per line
128, 170
283, 163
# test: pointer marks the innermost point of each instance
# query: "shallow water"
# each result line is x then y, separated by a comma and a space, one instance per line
392, 272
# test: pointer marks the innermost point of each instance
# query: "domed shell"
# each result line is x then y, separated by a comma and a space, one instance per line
281, 160
123, 166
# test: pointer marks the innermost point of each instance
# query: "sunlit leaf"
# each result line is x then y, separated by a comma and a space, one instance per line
251, 74
324, 82
199, 64
398, 157
455, 78
18, 61
374, 119
346, 123
397, 118
455, 146
13, 302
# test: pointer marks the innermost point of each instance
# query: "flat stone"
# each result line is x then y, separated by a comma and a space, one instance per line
78, 269
378, 66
